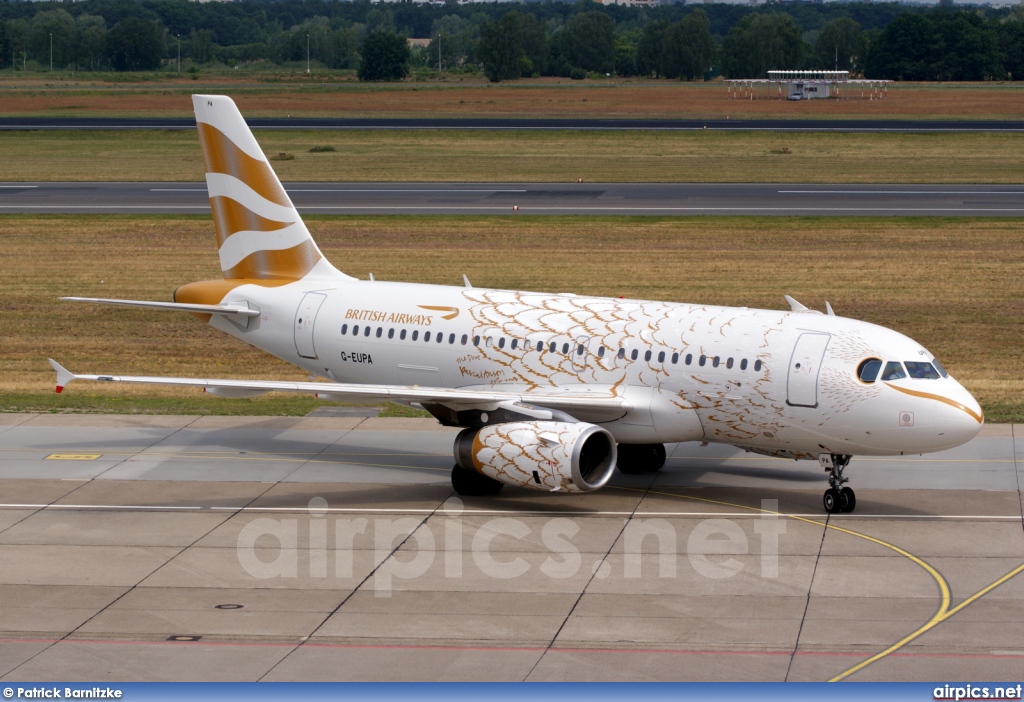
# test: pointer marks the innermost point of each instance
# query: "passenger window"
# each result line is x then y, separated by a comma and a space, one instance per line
355, 330
344, 329
715, 361
552, 347
501, 343
661, 357
634, 354
893, 371
540, 345
703, 360
675, 358
689, 358
621, 353
647, 355
743, 364
415, 334
728, 364
465, 338
565, 349
380, 331
426, 336
391, 333
366, 331
401, 335
757, 365
868, 369
440, 337
515, 343
600, 351
921, 370
476, 340
580, 349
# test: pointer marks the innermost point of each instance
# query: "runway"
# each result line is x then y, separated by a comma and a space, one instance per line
536, 198
322, 548
499, 123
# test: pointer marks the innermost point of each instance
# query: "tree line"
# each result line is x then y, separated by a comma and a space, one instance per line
878, 40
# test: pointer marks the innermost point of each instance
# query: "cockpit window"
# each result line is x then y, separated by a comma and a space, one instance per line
920, 369
939, 368
893, 371
868, 370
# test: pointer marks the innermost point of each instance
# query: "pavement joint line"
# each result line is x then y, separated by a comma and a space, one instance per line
937, 577
593, 575
807, 600
145, 577
351, 594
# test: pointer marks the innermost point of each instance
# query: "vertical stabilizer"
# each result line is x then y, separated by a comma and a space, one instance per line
260, 235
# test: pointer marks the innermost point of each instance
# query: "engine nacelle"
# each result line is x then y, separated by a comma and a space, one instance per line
577, 457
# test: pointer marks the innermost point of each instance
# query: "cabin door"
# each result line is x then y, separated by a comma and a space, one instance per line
305, 319
805, 368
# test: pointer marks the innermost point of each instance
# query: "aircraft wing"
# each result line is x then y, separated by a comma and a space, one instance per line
592, 403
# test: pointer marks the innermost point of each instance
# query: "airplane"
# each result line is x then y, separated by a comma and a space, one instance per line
552, 392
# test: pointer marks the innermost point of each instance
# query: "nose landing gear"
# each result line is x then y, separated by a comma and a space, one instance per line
838, 498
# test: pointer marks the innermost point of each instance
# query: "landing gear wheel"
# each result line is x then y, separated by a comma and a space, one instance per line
469, 483
638, 459
838, 498
847, 499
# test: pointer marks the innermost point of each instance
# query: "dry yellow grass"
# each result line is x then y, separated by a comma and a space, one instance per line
329, 93
482, 156
953, 284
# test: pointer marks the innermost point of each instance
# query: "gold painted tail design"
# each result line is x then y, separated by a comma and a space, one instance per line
260, 235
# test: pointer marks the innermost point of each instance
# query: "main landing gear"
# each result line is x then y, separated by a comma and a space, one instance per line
838, 498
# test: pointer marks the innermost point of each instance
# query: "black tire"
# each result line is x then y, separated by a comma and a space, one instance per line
638, 459
847, 499
469, 483
830, 501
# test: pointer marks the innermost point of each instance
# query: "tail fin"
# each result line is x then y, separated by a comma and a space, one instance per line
260, 235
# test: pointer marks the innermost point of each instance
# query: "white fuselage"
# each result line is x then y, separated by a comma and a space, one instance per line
783, 383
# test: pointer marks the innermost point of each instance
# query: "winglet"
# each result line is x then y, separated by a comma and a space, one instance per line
64, 376
794, 306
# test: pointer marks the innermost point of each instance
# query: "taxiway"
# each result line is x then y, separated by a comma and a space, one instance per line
656, 199
332, 548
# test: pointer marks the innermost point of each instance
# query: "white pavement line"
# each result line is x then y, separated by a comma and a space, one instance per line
347, 190
540, 513
19, 186
904, 192
527, 208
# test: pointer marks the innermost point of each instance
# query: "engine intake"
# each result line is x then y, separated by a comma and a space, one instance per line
577, 457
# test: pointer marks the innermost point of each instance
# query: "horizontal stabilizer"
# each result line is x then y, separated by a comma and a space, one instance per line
177, 306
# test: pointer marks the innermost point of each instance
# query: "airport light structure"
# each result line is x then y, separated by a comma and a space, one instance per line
807, 85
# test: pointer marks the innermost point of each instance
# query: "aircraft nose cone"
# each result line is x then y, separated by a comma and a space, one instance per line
959, 418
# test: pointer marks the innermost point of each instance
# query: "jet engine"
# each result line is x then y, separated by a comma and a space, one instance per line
575, 457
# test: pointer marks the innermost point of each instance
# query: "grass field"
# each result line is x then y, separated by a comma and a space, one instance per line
525, 156
952, 284
338, 94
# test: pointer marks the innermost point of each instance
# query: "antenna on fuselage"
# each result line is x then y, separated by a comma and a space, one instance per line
465, 280
794, 306
828, 309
